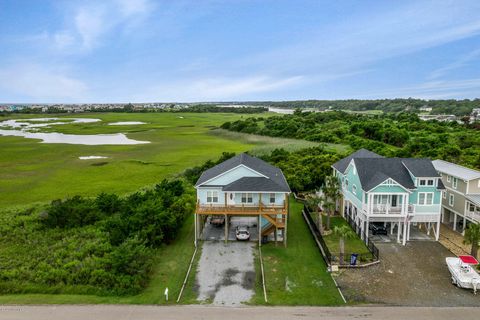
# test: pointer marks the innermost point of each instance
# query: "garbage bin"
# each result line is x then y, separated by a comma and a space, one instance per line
353, 259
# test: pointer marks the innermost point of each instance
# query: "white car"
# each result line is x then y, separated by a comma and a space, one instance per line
242, 233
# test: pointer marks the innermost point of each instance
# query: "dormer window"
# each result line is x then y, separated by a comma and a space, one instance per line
455, 183
429, 182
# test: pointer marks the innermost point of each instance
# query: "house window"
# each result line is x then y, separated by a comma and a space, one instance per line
272, 197
444, 194
422, 182
430, 182
380, 199
425, 198
354, 189
471, 207
449, 178
455, 183
451, 200
346, 183
247, 198
212, 196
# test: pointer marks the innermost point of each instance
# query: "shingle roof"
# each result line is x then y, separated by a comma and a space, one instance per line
475, 198
456, 170
255, 184
420, 167
373, 171
272, 173
342, 164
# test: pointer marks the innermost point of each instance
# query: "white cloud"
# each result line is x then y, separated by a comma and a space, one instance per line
41, 84
431, 90
460, 62
210, 89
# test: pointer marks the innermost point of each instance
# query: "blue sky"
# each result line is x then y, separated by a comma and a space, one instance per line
146, 50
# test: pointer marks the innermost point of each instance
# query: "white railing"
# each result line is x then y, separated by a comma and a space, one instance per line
474, 215
387, 209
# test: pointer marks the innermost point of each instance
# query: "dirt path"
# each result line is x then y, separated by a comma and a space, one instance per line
226, 273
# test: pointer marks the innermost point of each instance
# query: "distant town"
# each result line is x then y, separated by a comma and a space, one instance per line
425, 112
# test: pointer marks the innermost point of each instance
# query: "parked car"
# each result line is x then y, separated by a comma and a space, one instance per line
242, 233
217, 221
378, 228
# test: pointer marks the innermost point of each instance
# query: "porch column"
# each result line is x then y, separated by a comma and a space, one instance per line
367, 222
437, 234
454, 221
343, 206
285, 232
226, 228
196, 229
404, 240
259, 231
399, 227
408, 230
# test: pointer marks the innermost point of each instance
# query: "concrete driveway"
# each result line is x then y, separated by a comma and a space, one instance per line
211, 232
226, 273
411, 275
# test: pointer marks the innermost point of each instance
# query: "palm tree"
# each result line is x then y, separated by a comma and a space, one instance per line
344, 232
331, 192
314, 201
472, 236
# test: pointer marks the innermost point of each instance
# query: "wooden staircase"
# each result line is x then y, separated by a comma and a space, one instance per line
274, 223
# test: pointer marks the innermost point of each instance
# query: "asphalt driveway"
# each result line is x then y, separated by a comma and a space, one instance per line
226, 273
411, 275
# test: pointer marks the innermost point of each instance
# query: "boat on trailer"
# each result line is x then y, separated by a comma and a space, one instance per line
463, 273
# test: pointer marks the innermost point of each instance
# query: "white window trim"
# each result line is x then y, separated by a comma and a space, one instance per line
212, 196
425, 198
247, 197
455, 183
451, 200
444, 194
449, 178
274, 198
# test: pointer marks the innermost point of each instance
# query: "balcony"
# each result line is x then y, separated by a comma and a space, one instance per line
241, 209
387, 209
474, 215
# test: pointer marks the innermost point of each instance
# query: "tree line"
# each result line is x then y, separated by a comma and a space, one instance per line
391, 135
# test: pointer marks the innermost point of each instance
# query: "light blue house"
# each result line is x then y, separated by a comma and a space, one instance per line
244, 186
395, 190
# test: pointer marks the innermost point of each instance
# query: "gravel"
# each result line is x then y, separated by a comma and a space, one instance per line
226, 273
411, 275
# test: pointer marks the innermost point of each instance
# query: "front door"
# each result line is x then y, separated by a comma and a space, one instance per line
394, 200
231, 198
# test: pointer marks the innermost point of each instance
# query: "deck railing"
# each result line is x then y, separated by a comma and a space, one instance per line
243, 208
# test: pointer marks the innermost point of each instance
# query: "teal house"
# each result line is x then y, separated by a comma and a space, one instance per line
399, 191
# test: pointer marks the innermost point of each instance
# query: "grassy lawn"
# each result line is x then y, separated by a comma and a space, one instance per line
170, 269
354, 245
296, 275
32, 172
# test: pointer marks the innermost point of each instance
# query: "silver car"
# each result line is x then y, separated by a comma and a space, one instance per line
242, 233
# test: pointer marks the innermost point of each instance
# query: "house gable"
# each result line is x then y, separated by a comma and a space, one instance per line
232, 175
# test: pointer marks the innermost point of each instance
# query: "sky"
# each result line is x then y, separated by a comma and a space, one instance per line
237, 50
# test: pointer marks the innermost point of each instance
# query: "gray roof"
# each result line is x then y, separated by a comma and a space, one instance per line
254, 184
421, 167
277, 180
373, 171
456, 170
475, 198
342, 164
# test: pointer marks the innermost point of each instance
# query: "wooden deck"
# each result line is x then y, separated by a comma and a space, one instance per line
240, 210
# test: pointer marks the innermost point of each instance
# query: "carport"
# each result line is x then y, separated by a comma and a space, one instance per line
211, 232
